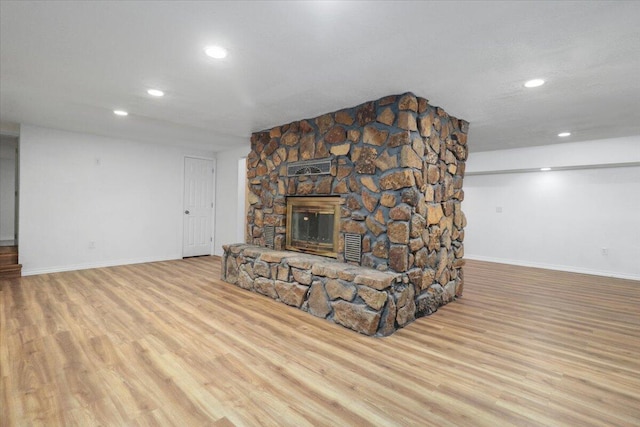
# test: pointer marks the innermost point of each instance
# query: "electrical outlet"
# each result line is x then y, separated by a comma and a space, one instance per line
605, 251
498, 209
92, 245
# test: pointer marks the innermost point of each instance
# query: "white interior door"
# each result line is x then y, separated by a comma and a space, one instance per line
198, 206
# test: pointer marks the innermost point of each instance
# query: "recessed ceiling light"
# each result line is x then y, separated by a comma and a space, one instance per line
564, 134
120, 113
155, 92
545, 169
217, 52
534, 83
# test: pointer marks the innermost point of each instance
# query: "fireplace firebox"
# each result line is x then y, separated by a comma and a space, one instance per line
313, 225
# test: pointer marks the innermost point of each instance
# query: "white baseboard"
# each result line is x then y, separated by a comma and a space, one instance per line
554, 267
111, 263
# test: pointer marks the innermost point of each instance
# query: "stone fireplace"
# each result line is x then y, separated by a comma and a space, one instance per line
386, 177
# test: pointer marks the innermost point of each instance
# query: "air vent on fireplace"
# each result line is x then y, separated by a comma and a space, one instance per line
352, 247
269, 235
310, 167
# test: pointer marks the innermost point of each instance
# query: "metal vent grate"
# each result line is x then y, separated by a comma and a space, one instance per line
352, 247
311, 167
269, 235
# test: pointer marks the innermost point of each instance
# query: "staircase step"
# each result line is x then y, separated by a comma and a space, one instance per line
10, 271
8, 258
8, 249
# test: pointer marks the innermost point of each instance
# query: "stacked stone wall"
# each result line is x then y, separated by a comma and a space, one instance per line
368, 301
399, 164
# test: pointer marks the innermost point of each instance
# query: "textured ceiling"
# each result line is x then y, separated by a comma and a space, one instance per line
69, 64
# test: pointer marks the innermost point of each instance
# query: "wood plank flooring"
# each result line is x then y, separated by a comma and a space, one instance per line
169, 344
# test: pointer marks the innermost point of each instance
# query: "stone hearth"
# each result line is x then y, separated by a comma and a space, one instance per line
398, 163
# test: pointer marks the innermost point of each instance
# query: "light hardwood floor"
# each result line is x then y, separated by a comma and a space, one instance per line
168, 343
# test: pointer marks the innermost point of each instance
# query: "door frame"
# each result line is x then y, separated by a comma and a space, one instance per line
213, 208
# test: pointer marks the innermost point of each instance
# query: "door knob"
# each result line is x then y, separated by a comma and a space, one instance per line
187, 212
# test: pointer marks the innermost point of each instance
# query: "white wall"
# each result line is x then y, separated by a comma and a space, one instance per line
124, 196
229, 217
561, 219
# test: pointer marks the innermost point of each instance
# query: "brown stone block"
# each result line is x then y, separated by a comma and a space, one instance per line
343, 171
373, 226
370, 201
408, 101
381, 248
323, 186
428, 278
265, 287
305, 188
275, 132
307, 147
399, 258
353, 204
283, 273
271, 147
324, 123
291, 293
335, 135
409, 158
321, 150
366, 113
301, 275
406, 314
245, 281
411, 196
434, 143
388, 100
353, 135
397, 180
399, 138
375, 279
400, 213
407, 121
261, 170
386, 117
418, 222
369, 183
341, 187
350, 226
290, 138
423, 105
340, 150
374, 299
293, 154
433, 174
374, 136
273, 256
434, 214
380, 217
385, 161
344, 117
340, 289
356, 317
364, 159
354, 184
461, 151
416, 244
388, 199
318, 301
421, 258
388, 319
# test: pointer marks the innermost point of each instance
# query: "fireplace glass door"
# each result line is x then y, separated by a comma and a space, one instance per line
312, 224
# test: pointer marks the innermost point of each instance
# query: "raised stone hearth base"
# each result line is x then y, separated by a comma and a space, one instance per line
368, 301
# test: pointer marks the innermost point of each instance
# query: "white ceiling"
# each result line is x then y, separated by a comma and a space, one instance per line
69, 64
